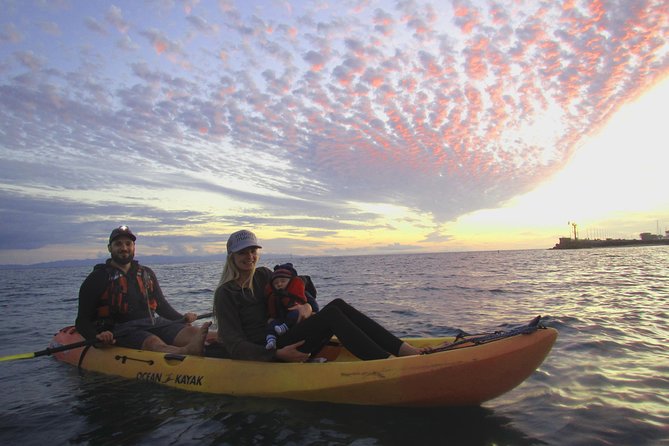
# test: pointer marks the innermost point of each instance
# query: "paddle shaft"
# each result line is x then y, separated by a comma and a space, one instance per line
532, 326
61, 348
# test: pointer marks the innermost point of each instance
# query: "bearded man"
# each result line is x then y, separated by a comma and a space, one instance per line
121, 303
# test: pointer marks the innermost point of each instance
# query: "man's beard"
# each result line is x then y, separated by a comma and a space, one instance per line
122, 260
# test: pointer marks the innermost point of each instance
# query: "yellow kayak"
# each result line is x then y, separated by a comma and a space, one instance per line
467, 372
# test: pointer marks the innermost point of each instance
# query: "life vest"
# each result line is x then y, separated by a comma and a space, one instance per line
114, 300
280, 300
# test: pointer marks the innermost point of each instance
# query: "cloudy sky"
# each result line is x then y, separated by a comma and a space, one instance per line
327, 127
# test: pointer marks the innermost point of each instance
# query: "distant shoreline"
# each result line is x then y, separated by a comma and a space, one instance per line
565, 243
145, 260
569, 243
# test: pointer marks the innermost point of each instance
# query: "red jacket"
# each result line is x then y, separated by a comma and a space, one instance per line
278, 301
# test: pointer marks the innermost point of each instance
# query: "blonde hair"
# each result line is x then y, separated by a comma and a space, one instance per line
230, 273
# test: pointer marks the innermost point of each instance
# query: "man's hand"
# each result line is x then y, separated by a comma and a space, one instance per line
106, 337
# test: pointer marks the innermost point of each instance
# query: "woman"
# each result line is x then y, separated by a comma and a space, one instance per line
241, 312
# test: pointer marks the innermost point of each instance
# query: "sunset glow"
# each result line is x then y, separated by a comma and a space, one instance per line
362, 127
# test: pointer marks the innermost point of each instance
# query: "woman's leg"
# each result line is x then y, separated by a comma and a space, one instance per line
362, 336
386, 340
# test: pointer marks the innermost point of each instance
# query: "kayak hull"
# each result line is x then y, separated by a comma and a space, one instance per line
465, 376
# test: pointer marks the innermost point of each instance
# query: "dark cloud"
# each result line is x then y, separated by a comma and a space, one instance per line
115, 17
10, 33
201, 24
65, 221
94, 25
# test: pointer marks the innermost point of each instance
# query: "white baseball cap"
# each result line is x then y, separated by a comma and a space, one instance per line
241, 240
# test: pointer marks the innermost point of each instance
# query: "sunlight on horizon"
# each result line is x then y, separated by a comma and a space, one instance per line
616, 170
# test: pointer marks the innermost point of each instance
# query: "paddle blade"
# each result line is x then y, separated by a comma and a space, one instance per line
49, 351
19, 356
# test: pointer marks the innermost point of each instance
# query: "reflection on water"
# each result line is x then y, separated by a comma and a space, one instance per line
122, 412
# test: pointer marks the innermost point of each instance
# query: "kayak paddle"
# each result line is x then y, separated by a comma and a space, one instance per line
60, 348
49, 351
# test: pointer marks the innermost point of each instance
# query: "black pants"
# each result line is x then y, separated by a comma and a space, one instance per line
361, 335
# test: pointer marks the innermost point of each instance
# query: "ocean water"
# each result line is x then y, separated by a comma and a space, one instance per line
606, 381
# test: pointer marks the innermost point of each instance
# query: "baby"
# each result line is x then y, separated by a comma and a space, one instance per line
284, 291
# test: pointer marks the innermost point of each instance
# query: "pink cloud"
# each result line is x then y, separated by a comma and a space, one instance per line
439, 100
383, 22
466, 17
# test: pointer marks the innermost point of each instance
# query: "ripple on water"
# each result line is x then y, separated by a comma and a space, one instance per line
605, 381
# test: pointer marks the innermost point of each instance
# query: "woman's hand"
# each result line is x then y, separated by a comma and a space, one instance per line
190, 317
290, 353
304, 310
